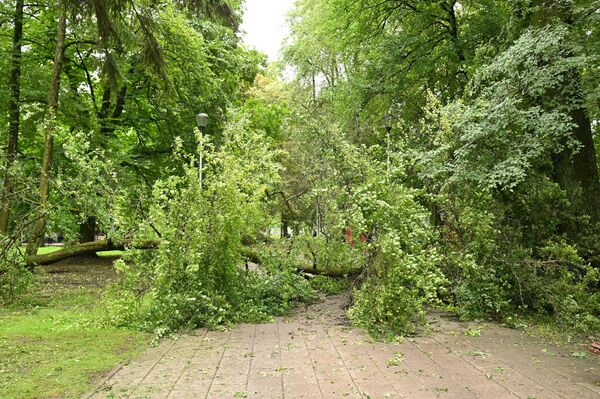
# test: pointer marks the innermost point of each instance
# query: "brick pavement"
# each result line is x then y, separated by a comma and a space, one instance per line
317, 354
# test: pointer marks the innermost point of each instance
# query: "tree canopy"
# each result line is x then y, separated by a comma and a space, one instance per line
445, 152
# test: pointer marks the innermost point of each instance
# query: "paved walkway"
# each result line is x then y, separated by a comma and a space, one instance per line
316, 354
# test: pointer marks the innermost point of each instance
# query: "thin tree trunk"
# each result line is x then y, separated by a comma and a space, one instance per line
14, 120
284, 225
38, 230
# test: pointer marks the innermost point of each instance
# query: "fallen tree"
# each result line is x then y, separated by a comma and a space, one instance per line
90, 248
86, 249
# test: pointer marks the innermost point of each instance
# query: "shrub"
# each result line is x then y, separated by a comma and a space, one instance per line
15, 278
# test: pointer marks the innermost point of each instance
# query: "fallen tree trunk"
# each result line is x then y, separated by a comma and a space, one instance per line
90, 248
87, 248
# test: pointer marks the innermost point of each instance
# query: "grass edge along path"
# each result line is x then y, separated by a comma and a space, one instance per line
50, 346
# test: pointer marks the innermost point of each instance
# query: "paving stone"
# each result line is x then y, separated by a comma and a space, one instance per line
317, 354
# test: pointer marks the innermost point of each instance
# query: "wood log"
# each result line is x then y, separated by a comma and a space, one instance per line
87, 248
90, 248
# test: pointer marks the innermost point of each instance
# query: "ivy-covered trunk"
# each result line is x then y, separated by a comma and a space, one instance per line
37, 233
576, 173
14, 119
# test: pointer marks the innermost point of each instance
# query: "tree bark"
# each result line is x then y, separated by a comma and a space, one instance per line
284, 225
87, 230
576, 174
14, 117
37, 234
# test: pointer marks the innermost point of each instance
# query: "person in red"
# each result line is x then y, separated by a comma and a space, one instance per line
348, 236
352, 241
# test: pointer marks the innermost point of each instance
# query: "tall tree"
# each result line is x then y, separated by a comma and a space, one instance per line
14, 117
576, 173
37, 232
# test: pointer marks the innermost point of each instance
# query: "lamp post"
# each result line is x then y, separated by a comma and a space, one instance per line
201, 122
387, 120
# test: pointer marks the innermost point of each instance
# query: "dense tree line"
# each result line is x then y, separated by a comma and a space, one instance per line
95, 94
129, 76
494, 106
444, 152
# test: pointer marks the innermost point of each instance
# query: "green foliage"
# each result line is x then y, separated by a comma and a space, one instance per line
500, 212
15, 278
403, 276
459, 202
511, 122
277, 290
195, 276
559, 289
325, 253
330, 285
487, 103
134, 76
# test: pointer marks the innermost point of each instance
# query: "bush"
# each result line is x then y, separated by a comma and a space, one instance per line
497, 273
15, 278
392, 301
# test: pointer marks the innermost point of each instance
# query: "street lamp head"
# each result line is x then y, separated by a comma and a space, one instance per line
202, 120
387, 120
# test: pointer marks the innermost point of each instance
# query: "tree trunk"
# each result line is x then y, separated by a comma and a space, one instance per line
577, 174
38, 230
88, 248
87, 230
14, 118
108, 121
285, 233
252, 256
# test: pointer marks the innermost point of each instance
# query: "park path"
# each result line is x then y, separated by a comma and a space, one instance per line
317, 354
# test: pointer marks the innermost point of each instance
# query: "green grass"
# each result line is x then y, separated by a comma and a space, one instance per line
46, 250
50, 345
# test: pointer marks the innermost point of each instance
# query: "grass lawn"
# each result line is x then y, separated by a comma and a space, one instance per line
47, 250
49, 345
